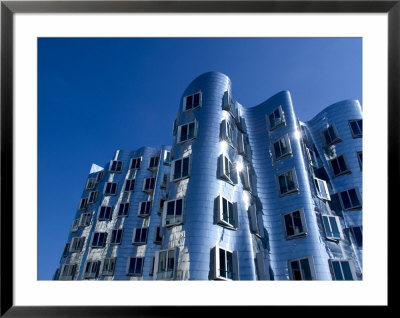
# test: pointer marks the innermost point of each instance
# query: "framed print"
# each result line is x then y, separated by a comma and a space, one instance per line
81, 77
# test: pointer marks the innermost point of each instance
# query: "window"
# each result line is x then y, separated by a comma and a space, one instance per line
99, 239
85, 219
159, 235
243, 145
83, 204
294, 224
123, 209
287, 182
105, 213
339, 166
66, 250
90, 184
276, 118
224, 264
260, 268
227, 102
256, 221
173, 212
161, 206
350, 199
226, 169
135, 163
164, 181
322, 189
282, 147
110, 188
108, 266
359, 156
356, 128
115, 166
75, 225
312, 157
227, 131
331, 135
152, 266
92, 269
153, 164
191, 101
144, 208
187, 132
332, 227
135, 266
341, 270
92, 196
129, 185
140, 236
68, 272
148, 185
357, 234
165, 264
116, 236
100, 176
301, 269
226, 213
56, 275
167, 157
246, 180
180, 169
77, 244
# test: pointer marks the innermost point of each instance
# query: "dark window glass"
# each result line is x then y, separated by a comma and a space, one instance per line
298, 225
177, 171
337, 271
179, 207
189, 102
346, 270
222, 263
354, 198
296, 270
185, 170
191, 130
305, 266
334, 227
170, 208
196, 100
289, 225
137, 235
282, 184
357, 235
184, 132
345, 200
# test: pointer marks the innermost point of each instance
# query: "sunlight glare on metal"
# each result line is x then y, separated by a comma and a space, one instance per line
297, 134
224, 146
225, 115
239, 166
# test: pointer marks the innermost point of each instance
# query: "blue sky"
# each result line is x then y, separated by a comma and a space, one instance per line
97, 95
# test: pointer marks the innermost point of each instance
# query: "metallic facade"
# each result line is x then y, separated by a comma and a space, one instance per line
248, 194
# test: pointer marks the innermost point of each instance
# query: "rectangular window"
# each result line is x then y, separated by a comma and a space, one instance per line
246, 179
85, 219
226, 213
161, 206
100, 176
90, 184
148, 185
140, 236
227, 131
294, 224
75, 225
356, 128
115, 166
92, 270
276, 118
66, 250
287, 182
226, 169
165, 264
224, 264
312, 157
110, 188
339, 166
68, 272
159, 235
77, 244
123, 209
350, 199
333, 230
359, 156
167, 157
116, 236
173, 213
243, 145
108, 266
135, 163
227, 101
191, 101
180, 169
92, 197
135, 266
260, 268
153, 164
331, 135
322, 189
164, 181
83, 204
144, 208
105, 213
301, 269
99, 239
187, 132
282, 147
256, 221
357, 234
129, 185
341, 270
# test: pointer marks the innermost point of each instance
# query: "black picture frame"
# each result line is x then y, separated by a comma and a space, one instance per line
8, 8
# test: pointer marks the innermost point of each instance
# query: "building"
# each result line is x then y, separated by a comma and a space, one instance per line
242, 194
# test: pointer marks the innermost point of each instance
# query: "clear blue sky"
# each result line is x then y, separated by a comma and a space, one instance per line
102, 94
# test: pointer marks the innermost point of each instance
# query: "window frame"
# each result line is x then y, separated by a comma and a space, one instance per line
354, 134
92, 269
167, 157
222, 171
312, 157
100, 176
179, 135
128, 266
215, 270
83, 203
141, 229
156, 162
91, 184
84, 217
98, 243
355, 207
317, 187
340, 261
342, 172
176, 221
310, 264
111, 188
116, 236
102, 212
282, 122
130, 185
243, 145
227, 131
92, 198
329, 219
168, 273
286, 226
137, 161
77, 247
71, 272
152, 185
159, 235
296, 188
219, 213
256, 221
289, 147
107, 263
121, 211
118, 166
172, 173
147, 210
359, 157
184, 105
260, 267
75, 225
336, 138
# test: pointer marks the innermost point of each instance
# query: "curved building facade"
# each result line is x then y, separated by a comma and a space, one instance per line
244, 193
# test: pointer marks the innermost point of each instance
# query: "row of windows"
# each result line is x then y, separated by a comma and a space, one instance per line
331, 135
135, 163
